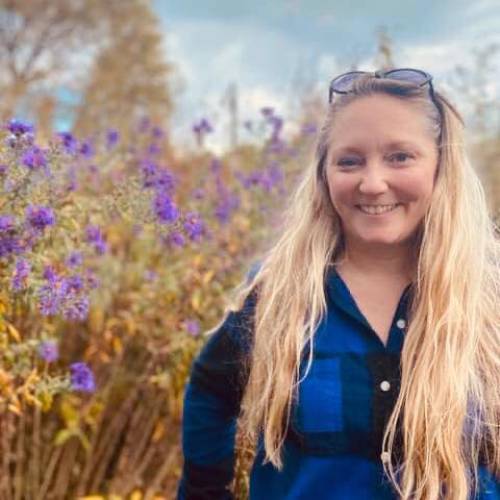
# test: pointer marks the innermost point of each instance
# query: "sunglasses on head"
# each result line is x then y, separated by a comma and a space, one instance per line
342, 84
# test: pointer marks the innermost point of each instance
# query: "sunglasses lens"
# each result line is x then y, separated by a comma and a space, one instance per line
343, 83
407, 75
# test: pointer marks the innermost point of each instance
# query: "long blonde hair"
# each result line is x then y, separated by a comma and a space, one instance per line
450, 375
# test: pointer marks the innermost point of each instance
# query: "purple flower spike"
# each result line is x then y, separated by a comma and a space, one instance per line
193, 226
34, 158
112, 138
48, 351
165, 208
6, 223
192, 326
69, 142
74, 259
82, 378
76, 308
40, 217
87, 150
94, 235
21, 273
177, 239
157, 132
17, 127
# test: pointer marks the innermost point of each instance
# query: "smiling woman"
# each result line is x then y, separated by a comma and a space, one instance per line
362, 357
380, 183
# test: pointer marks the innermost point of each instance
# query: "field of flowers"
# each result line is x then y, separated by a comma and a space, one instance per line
114, 259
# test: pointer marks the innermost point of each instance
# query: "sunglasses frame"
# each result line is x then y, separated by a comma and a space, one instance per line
382, 74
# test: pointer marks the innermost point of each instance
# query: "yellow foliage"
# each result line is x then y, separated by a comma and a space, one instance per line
94, 413
207, 277
117, 345
159, 431
96, 319
13, 332
136, 495
15, 407
69, 413
46, 400
196, 300
197, 260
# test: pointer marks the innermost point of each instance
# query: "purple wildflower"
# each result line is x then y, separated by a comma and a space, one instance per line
40, 217
87, 150
153, 149
192, 326
202, 128
73, 283
165, 208
21, 273
6, 223
34, 158
91, 279
112, 138
227, 202
193, 226
82, 378
94, 235
49, 299
17, 127
76, 307
69, 142
74, 259
48, 350
50, 274
157, 132
3, 169
177, 239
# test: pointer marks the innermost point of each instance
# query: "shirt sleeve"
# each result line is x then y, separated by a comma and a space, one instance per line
211, 406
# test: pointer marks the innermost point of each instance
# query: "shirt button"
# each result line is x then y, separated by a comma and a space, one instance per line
385, 385
401, 323
385, 457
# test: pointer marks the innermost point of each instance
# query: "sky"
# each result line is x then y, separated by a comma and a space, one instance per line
269, 49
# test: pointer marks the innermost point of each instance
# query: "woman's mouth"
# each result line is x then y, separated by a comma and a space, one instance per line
377, 209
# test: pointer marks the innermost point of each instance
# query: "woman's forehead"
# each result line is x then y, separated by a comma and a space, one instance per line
381, 120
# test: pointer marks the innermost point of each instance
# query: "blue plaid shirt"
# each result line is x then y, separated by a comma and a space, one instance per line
333, 445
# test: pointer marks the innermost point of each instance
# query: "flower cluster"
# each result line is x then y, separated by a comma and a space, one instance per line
66, 295
201, 129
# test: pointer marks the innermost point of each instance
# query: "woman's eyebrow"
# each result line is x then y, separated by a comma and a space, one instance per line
389, 145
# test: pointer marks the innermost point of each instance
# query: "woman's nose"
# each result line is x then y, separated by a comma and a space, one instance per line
372, 180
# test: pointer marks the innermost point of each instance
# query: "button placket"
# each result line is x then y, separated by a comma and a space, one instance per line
401, 323
385, 385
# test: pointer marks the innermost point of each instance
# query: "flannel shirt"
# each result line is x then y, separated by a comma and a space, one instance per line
333, 444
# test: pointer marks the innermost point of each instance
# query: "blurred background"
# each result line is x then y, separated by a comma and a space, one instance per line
147, 148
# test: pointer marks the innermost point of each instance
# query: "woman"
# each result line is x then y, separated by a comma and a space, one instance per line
363, 358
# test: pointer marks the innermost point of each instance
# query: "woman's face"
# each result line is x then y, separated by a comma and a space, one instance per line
380, 169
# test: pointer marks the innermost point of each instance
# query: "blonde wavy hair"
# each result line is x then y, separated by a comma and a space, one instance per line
448, 409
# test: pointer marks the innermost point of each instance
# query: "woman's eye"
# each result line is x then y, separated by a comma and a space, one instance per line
401, 157
347, 162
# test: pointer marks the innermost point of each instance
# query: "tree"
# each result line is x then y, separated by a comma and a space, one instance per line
129, 78
42, 41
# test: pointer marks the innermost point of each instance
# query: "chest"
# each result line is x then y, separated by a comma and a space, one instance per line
378, 309
377, 302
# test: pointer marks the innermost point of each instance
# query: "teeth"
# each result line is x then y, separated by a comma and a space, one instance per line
377, 209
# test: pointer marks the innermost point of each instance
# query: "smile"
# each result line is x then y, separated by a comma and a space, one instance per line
377, 209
